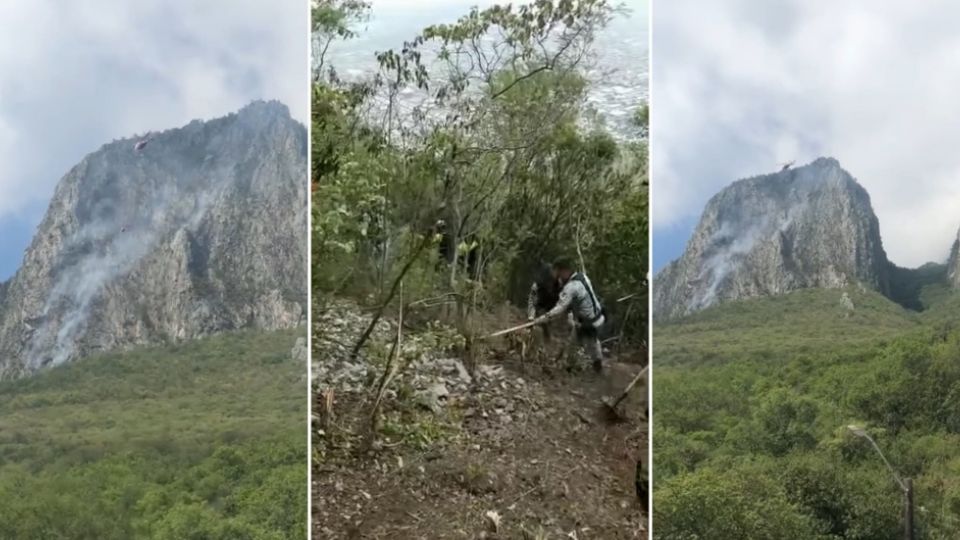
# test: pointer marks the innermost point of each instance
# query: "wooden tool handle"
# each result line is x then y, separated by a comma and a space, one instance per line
509, 330
630, 386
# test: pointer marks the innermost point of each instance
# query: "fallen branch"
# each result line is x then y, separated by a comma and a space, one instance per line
432, 304
428, 301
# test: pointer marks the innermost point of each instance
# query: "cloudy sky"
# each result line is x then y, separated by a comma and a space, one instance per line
75, 75
737, 90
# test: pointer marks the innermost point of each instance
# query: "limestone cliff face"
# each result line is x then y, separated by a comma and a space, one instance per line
812, 226
953, 263
200, 231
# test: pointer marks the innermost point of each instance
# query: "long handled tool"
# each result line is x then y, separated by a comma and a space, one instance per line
611, 406
510, 330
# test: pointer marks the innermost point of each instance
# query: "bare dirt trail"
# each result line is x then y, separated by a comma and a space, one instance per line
530, 445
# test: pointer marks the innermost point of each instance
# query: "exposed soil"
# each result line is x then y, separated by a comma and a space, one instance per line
530, 443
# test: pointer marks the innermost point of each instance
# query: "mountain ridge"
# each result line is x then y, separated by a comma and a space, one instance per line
808, 227
764, 235
197, 232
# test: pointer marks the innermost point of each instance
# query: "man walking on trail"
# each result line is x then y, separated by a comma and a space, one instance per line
578, 297
544, 294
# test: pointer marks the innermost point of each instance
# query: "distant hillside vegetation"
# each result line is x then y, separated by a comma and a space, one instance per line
751, 403
204, 440
806, 320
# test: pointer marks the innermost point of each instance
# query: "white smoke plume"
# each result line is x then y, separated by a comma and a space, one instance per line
110, 250
730, 242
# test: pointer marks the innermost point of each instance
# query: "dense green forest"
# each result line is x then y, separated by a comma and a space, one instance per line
752, 403
204, 440
501, 165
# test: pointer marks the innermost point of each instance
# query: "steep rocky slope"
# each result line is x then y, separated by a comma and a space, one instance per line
201, 230
518, 436
812, 226
953, 264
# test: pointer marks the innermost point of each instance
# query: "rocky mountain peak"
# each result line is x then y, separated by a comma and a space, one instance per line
810, 226
165, 236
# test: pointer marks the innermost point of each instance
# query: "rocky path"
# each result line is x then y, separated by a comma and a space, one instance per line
508, 451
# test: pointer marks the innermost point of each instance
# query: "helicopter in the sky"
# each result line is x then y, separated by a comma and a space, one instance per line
142, 143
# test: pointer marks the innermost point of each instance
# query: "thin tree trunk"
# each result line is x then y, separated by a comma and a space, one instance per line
388, 371
583, 267
452, 279
623, 326
393, 290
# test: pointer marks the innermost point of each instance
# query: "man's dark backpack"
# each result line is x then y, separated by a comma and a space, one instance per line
548, 290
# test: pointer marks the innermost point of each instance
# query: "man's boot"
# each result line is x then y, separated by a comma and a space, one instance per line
596, 352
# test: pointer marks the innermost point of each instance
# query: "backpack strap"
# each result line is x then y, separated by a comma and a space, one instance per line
597, 308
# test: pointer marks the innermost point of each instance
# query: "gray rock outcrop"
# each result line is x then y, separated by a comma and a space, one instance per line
953, 263
812, 226
200, 231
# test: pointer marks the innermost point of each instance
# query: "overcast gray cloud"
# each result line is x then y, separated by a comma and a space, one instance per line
74, 75
740, 87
